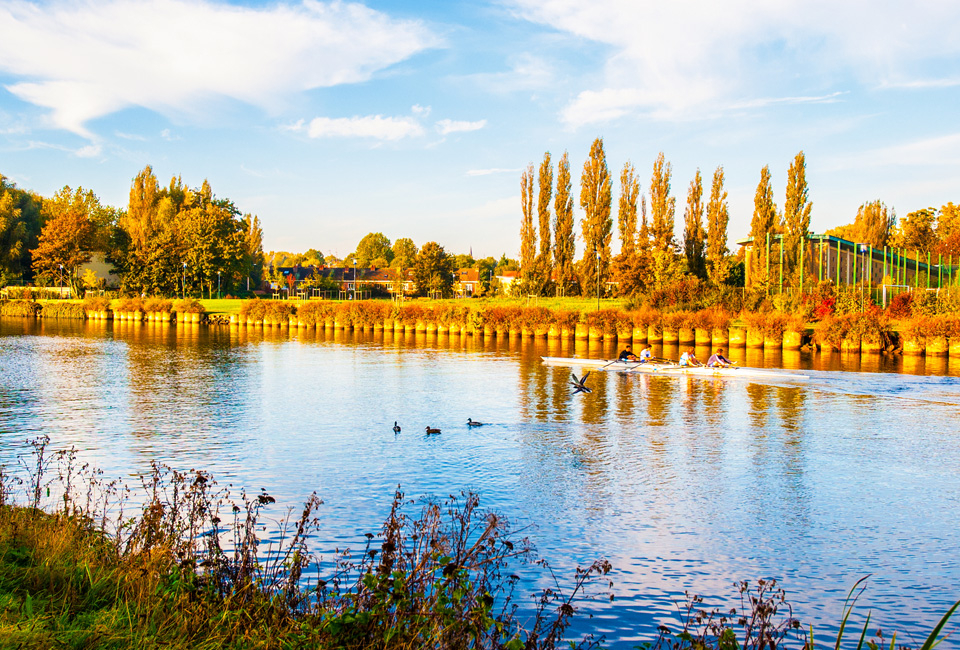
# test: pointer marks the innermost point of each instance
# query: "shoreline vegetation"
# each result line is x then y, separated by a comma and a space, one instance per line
928, 325
177, 562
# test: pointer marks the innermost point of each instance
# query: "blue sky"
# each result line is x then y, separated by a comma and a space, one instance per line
331, 120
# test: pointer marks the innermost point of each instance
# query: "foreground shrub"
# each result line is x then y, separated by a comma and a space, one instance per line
189, 306
96, 303
189, 571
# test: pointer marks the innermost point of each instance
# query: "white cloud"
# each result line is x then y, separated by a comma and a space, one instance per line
84, 60
417, 109
688, 58
920, 84
368, 126
445, 127
494, 170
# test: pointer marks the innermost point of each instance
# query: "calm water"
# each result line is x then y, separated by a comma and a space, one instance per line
683, 483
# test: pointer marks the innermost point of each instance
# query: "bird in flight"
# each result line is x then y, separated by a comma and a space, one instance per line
579, 385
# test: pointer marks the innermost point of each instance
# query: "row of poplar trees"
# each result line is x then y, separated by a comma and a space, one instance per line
650, 257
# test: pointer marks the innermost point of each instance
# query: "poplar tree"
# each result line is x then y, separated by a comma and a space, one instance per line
141, 220
253, 248
528, 232
694, 235
718, 216
627, 209
765, 222
563, 238
796, 215
544, 259
662, 205
627, 269
597, 224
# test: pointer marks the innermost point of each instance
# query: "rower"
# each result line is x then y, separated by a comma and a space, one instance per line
717, 360
689, 358
646, 354
627, 354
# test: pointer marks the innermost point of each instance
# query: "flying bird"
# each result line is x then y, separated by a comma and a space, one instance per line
579, 385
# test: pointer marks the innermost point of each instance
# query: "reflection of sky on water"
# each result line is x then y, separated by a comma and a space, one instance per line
684, 483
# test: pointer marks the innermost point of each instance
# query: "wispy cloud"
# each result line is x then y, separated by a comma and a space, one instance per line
494, 170
368, 126
84, 60
920, 84
694, 58
445, 127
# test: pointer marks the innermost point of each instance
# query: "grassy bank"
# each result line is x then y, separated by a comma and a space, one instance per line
79, 568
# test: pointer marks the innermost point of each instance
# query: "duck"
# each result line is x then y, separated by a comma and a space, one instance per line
473, 423
431, 430
396, 427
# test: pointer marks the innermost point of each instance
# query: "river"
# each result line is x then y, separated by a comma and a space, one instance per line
682, 483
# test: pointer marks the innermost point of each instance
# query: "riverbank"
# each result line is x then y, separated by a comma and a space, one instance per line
873, 331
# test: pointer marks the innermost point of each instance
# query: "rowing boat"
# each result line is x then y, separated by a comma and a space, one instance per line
615, 365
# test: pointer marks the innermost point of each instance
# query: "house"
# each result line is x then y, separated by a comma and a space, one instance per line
507, 279
467, 282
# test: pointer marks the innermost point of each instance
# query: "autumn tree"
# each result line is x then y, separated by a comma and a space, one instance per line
597, 224
544, 262
404, 253
253, 248
873, 225
765, 223
528, 231
718, 216
374, 250
563, 237
69, 233
917, 232
214, 244
433, 270
662, 205
665, 268
948, 230
627, 270
694, 235
796, 215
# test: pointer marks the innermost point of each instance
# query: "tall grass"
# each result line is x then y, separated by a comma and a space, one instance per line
188, 570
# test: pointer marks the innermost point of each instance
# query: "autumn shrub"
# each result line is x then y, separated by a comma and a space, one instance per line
871, 326
566, 318
63, 310
646, 317
129, 305
189, 306
96, 303
20, 308
411, 313
604, 320
775, 324
684, 294
157, 305
901, 306
702, 319
719, 318
312, 313
279, 310
254, 309
754, 320
830, 332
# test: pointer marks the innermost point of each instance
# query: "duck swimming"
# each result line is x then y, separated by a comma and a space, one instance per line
396, 427
431, 430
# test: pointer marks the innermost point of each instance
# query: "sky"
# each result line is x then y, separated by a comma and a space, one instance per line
416, 119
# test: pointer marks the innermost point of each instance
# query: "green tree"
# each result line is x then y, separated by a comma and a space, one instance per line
68, 234
13, 238
796, 216
718, 216
433, 270
214, 242
463, 261
544, 262
765, 222
597, 224
563, 237
528, 231
374, 246
404, 253
662, 206
694, 235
